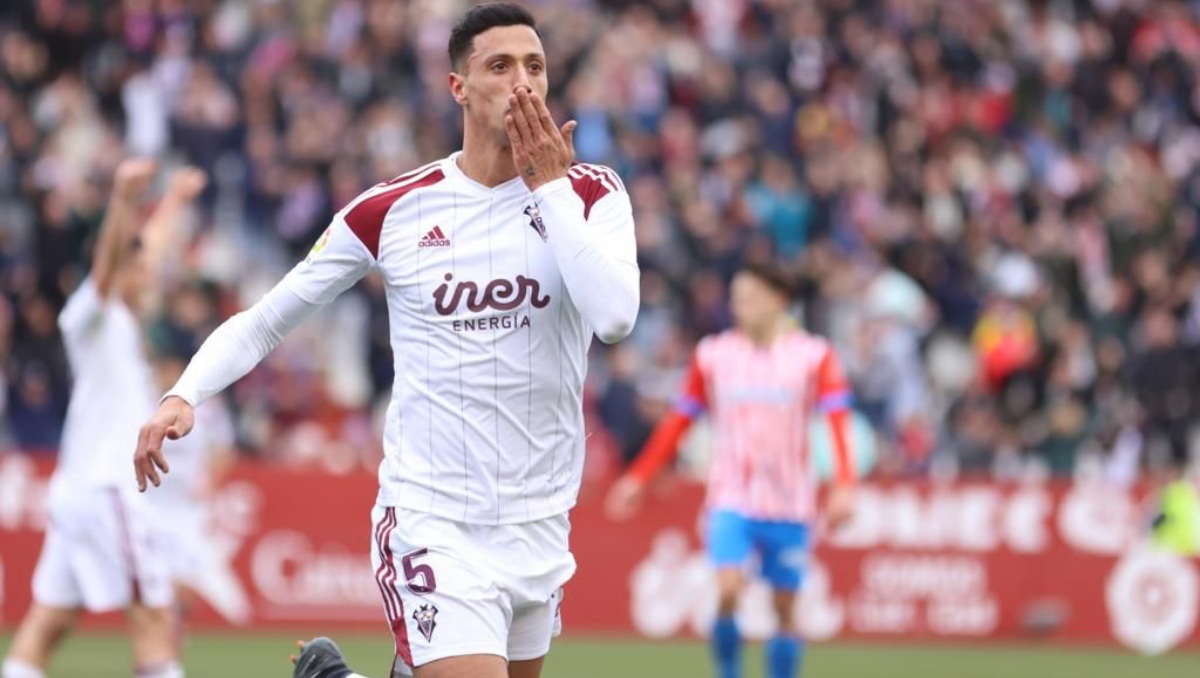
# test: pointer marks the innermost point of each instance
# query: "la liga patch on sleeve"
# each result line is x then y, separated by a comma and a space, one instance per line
320, 244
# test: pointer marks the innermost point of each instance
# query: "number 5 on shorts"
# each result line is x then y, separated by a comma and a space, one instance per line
411, 572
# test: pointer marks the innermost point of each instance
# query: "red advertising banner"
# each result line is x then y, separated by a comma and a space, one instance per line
927, 561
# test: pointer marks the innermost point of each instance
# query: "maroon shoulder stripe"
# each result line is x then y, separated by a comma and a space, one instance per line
366, 218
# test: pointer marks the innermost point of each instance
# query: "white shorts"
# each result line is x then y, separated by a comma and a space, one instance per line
185, 544
102, 552
452, 589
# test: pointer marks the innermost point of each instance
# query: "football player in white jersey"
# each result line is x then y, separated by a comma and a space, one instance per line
501, 262
198, 463
103, 549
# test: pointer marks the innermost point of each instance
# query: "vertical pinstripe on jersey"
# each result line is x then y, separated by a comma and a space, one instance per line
529, 386
462, 401
558, 344
434, 487
495, 368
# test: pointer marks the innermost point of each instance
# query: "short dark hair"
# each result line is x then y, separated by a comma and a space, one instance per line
770, 274
482, 18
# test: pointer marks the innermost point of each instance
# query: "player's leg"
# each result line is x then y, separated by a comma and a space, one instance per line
531, 668
39, 634
125, 565
464, 666
56, 603
728, 547
321, 658
785, 650
430, 570
153, 632
529, 636
784, 548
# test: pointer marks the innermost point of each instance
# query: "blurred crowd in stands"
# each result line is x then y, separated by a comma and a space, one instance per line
990, 207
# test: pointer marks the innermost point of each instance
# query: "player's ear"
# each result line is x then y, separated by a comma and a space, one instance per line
458, 88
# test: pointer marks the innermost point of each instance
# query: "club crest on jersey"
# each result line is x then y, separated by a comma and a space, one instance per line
426, 622
535, 221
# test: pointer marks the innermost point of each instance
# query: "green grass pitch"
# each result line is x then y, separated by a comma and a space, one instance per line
253, 656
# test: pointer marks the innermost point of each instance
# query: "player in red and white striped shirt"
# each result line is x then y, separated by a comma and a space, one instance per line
760, 383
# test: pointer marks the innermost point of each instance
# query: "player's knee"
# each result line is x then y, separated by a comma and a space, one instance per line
152, 630
727, 599
41, 630
784, 604
45, 627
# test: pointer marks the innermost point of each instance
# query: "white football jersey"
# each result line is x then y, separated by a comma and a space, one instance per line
112, 395
485, 423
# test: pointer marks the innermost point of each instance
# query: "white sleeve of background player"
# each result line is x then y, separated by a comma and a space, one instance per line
596, 255
336, 262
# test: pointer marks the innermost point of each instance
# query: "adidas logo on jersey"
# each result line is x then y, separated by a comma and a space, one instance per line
434, 238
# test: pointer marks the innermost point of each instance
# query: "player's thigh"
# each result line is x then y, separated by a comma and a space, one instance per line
532, 629
531, 668
123, 560
464, 666
728, 540
85, 561
784, 550
437, 601
54, 582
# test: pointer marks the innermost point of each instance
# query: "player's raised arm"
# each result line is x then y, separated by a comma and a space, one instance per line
662, 446
594, 247
162, 230
120, 227
337, 261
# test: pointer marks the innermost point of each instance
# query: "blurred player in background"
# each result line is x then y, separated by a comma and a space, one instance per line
104, 550
501, 263
759, 383
198, 463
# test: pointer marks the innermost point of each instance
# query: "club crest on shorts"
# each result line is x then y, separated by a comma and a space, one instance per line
535, 221
424, 616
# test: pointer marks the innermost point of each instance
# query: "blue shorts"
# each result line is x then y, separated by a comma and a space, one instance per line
781, 546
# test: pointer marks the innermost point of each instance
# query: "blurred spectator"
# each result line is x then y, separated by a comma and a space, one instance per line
1164, 378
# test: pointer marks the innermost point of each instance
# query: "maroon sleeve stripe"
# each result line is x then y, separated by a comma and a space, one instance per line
592, 182
366, 218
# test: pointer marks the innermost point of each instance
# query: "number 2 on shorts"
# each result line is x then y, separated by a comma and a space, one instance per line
412, 571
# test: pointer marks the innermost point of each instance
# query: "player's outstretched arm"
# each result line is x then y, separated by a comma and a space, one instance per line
119, 227
337, 261
626, 495
596, 253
